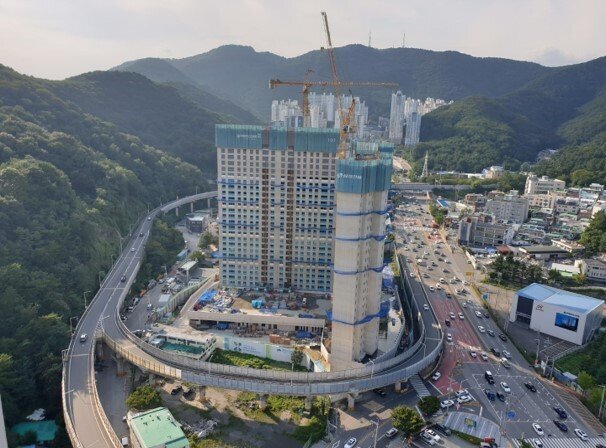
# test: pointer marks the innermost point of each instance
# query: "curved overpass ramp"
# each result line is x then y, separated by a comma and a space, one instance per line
86, 422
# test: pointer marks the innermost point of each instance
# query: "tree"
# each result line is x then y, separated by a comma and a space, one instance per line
429, 405
585, 380
144, 397
554, 276
297, 356
407, 420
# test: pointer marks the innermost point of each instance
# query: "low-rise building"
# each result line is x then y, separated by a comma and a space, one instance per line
543, 184
475, 201
594, 270
484, 230
196, 223
156, 428
569, 246
508, 207
538, 201
543, 252
567, 205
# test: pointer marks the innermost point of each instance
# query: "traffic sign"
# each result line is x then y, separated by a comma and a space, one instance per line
511, 415
485, 296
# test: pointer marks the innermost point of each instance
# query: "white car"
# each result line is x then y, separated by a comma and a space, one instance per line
391, 433
505, 387
473, 353
432, 434
436, 376
427, 438
432, 289
132, 249
412, 274
481, 329
452, 315
461, 393
464, 399
581, 435
484, 356
464, 305
448, 337
461, 316
426, 307
478, 314
446, 404
350, 443
506, 354
83, 337
537, 428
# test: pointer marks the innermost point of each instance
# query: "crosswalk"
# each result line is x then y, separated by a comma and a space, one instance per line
561, 442
419, 386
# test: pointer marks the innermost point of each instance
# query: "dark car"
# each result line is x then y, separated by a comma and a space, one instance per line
380, 392
561, 426
502, 337
443, 429
530, 386
495, 352
448, 295
490, 394
176, 390
447, 322
486, 315
141, 234
123, 279
501, 396
561, 413
490, 333
188, 394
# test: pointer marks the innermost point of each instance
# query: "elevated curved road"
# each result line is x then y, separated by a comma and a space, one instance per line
86, 422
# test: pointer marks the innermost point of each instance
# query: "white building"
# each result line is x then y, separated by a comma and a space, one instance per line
543, 184
362, 185
594, 270
286, 113
413, 129
276, 205
540, 200
558, 313
482, 230
396, 117
508, 207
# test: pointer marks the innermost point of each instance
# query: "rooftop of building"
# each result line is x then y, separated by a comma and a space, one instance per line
565, 299
592, 262
158, 427
542, 249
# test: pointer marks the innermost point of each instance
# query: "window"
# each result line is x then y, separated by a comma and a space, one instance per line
566, 322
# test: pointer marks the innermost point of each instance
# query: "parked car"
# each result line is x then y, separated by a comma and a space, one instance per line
489, 394
391, 433
436, 376
175, 390
505, 387
501, 396
464, 399
443, 429
433, 434
351, 443
446, 404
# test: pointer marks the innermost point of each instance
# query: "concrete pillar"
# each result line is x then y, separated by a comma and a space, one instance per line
201, 394
262, 402
99, 349
308, 403
122, 365
176, 211
151, 378
398, 386
208, 203
351, 402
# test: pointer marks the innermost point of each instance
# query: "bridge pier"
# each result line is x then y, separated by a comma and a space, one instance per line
191, 207
99, 349
176, 211
121, 365
208, 203
151, 378
308, 403
351, 402
398, 386
201, 394
263, 402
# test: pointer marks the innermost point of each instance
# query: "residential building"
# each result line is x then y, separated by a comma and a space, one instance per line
396, 117
156, 428
475, 201
276, 206
361, 207
494, 172
286, 113
542, 252
571, 247
594, 270
413, 129
567, 205
543, 184
508, 207
483, 230
197, 222
540, 200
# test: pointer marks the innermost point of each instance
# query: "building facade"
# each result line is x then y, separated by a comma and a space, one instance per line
361, 196
543, 184
396, 117
276, 206
509, 207
483, 230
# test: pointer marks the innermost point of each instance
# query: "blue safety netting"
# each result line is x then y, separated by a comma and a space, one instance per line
383, 312
207, 296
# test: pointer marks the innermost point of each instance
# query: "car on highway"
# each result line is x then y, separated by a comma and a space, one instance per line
426, 307
530, 386
484, 356
123, 278
561, 426
486, 315
581, 434
481, 329
391, 433
505, 363
505, 387
448, 337
501, 396
489, 394
478, 314
495, 351
502, 337
83, 337
149, 307
438, 286
490, 333
140, 234
473, 353
447, 322
149, 218
425, 275
561, 413
412, 275
464, 305
380, 392
461, 316
432, 289
448, 295
446, 404
351, 443
506, 354
436, 376
452, 315
537, 428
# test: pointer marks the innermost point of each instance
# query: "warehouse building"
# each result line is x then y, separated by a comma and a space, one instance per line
558, 313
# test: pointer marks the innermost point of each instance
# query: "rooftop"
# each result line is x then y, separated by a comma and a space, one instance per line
559, 297
542, 249
158, 427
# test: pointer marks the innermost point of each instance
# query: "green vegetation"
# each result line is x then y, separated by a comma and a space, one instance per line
438, 213
231, 358
591, 360
143, 398
468, 438
512, 272
429, 405
206, 239
297, 356
594, 236
407, 420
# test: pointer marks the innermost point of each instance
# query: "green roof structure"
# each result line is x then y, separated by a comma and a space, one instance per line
157, 428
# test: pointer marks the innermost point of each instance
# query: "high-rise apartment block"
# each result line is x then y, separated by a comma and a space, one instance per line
413, 129
361, 205
543, 185
276, 206
406, 113
396, 117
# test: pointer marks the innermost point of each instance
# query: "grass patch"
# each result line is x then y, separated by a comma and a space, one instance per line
231, 358
468, 438
212, 441
574, 362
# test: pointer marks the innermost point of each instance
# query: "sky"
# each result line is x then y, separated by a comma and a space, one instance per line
60, 38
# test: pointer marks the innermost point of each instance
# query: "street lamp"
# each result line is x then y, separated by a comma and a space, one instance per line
71, 328
84, 295
372, 369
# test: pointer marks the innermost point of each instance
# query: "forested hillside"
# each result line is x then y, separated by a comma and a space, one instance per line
70, 185
241, 75
565, 108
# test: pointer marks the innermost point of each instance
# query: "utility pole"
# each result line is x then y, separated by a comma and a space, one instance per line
84, 295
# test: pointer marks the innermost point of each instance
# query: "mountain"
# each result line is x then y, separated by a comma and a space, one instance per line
158, 114
564, 108
71, 184
241, 75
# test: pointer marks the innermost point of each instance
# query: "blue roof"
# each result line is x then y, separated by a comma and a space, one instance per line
559, 297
